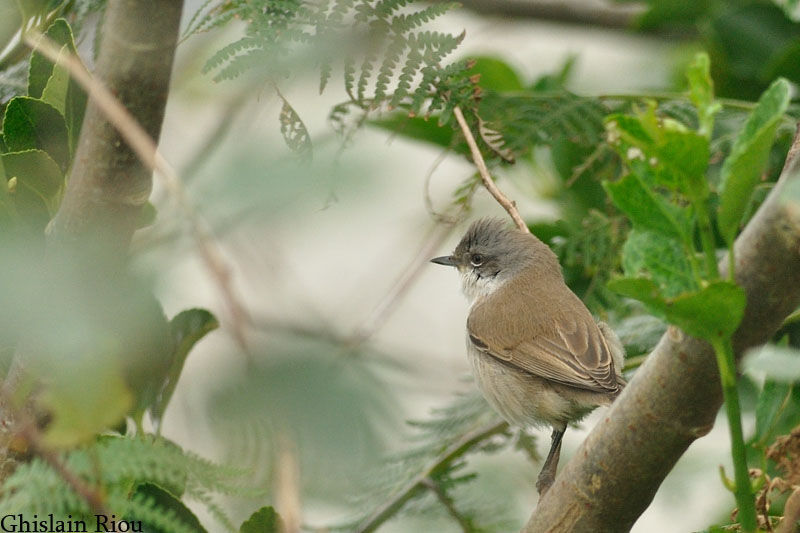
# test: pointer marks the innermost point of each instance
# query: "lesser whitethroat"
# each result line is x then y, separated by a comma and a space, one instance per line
537, 354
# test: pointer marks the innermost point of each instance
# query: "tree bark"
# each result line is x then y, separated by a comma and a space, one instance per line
674, 397
109, 184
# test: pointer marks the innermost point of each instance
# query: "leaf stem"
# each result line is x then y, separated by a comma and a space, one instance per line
723, 349
707, 240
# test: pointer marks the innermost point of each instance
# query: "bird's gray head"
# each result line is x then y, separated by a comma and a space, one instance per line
491, 253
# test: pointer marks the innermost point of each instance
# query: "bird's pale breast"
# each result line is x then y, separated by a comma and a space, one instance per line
525, 400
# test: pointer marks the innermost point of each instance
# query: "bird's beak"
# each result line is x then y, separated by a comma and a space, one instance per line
446, 260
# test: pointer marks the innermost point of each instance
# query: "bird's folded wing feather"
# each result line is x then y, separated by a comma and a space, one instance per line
573, 352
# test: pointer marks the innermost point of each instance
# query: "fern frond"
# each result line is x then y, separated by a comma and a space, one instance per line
366, 71
215, 17
197, 19
424, 477
228, 52
399, 62
117, 464
364, 12
241, 64
407, 73
539, 118
405, 22
350, 77
441, 43
383, 8
325, 71
387, 69
429, 76
339, 9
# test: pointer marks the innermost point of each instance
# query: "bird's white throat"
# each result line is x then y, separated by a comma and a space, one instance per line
476, 287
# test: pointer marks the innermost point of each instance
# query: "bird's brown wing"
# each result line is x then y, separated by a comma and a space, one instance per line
567, 348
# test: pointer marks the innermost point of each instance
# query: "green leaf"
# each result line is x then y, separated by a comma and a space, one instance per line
35, 170
646, 209
743, 167
785, 62
37, 186
168, 503
83, 397
778, 363
55, 90
31, 123
41, 68
416, 128
265, 520
495, 74
701, 92
666, 13
711, 313
662, 152
53, 84
66, 95
187, 328
534, 119
662, 258
294, 131
639, 130
771, 404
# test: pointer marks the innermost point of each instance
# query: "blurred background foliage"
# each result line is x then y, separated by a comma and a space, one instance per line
312, 413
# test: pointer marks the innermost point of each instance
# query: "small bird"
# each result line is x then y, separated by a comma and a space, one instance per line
537, 355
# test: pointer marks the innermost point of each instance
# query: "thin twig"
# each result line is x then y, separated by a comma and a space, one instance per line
146, 149
92, 496
578, 171
286, 484
509, 205
594, 14
27, 429
453, 452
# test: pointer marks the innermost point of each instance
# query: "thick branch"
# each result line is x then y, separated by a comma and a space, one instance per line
109, 184
675, 396
593, 13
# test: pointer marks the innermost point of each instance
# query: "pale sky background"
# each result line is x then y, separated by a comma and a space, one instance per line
335, 261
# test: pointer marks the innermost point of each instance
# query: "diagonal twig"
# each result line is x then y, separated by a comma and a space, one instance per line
509, 205
25, 426
450, 454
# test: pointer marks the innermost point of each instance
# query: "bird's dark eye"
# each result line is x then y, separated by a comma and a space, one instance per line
476, 259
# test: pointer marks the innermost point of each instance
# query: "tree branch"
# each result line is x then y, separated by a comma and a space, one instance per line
71, 222
509, 205
593, 13
674, 397
109, 184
